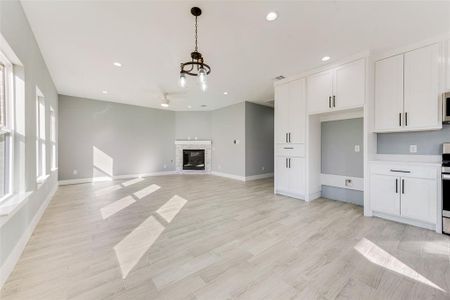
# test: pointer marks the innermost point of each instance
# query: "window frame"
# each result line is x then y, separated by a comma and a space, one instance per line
7, 126
41, 138
53, 161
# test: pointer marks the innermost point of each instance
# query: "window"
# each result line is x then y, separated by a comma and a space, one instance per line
53, 138
40, 137
6, 130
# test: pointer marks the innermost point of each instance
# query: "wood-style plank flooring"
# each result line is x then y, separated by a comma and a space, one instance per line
206, 237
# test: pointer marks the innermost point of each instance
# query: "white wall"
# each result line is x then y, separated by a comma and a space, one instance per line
30, 72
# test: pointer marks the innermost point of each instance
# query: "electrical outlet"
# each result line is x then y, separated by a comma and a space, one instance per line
348, 182
75, 172
412, 148
357, 148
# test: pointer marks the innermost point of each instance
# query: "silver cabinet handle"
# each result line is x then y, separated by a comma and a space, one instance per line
334, 101
399, 119
289, 163
286, 163
400, 171
406, 119
446, 176
288, 148
396, 185
329, 102
290, 137
286, 138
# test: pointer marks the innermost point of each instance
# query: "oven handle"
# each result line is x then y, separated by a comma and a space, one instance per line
445, 176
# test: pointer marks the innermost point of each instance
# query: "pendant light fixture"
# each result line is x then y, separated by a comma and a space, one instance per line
197, 66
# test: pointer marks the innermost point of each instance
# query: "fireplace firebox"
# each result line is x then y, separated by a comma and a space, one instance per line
193, 159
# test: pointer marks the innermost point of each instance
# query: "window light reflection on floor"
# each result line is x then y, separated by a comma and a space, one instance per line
378, 256
116, 206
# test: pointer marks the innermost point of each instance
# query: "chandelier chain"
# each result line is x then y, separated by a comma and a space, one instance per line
196, 26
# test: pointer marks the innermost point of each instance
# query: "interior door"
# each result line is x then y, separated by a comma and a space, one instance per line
297, 171
349, 86
389, 93
319, 91
297, 111
422, 87
385, 194
282, 99
419, 199
282, 175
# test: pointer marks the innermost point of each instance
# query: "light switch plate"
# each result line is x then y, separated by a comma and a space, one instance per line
412, 148
357, 148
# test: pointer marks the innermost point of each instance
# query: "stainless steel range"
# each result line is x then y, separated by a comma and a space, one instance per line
446, 188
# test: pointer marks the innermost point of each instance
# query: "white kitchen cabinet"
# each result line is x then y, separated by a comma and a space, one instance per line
407, 91
421, 86
290, 112
389, 93
349, 85
337, 89
386, 195
419, 199
405, 192
320, 91
290, 176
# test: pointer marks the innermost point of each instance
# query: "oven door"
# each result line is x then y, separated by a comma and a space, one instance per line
446, 203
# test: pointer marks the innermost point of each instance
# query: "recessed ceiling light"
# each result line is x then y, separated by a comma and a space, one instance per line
189, 106
280, 77
105, 92
165, 104
225, 93
272, 16
203, 105
325, 58
117, 64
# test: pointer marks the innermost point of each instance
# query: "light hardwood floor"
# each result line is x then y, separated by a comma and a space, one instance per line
206, 237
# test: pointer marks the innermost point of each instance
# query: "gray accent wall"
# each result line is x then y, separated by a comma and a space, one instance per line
99, 138
428, 142
29, 72
338, 141
228, 138
339, 157
259, 137
191, 125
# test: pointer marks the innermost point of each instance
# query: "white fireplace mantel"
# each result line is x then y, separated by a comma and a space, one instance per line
193, 142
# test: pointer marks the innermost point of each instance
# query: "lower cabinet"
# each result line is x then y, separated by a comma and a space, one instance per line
290, 176
405, 192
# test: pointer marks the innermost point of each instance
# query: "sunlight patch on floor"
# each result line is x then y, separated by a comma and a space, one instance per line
132, 181
113, 208
171, 208
107, 190
378, 256
146, 191
130, 250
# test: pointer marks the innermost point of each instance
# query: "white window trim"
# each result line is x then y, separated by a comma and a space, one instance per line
41, 158
10, 114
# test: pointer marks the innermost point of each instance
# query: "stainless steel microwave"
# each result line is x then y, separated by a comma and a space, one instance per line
446, 108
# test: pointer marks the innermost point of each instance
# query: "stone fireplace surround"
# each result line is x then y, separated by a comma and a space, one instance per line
192, 144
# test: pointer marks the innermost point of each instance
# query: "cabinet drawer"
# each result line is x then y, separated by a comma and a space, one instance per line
404, 170
292, 150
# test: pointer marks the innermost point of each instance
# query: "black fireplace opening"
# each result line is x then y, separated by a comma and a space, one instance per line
193, 159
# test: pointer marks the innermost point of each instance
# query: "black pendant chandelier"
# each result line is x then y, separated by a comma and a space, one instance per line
197, 66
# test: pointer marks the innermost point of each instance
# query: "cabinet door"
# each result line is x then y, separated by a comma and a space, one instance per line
389, 93
297, 175
282, 99
349, 85
281, 174
297, 111
422, 88
385, 194
319, 89
419, 199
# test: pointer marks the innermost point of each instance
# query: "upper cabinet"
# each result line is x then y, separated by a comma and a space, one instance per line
290, 112
337, 89
407, 91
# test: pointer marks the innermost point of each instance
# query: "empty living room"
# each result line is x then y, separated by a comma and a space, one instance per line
224, 149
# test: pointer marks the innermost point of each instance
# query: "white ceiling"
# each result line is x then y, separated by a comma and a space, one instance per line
80, 40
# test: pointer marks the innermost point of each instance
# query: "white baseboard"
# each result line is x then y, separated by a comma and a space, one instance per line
314, 196
357, 183
259, 176
99, 179
226, 175
15, 254
242, 178
404, 220
290, 194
